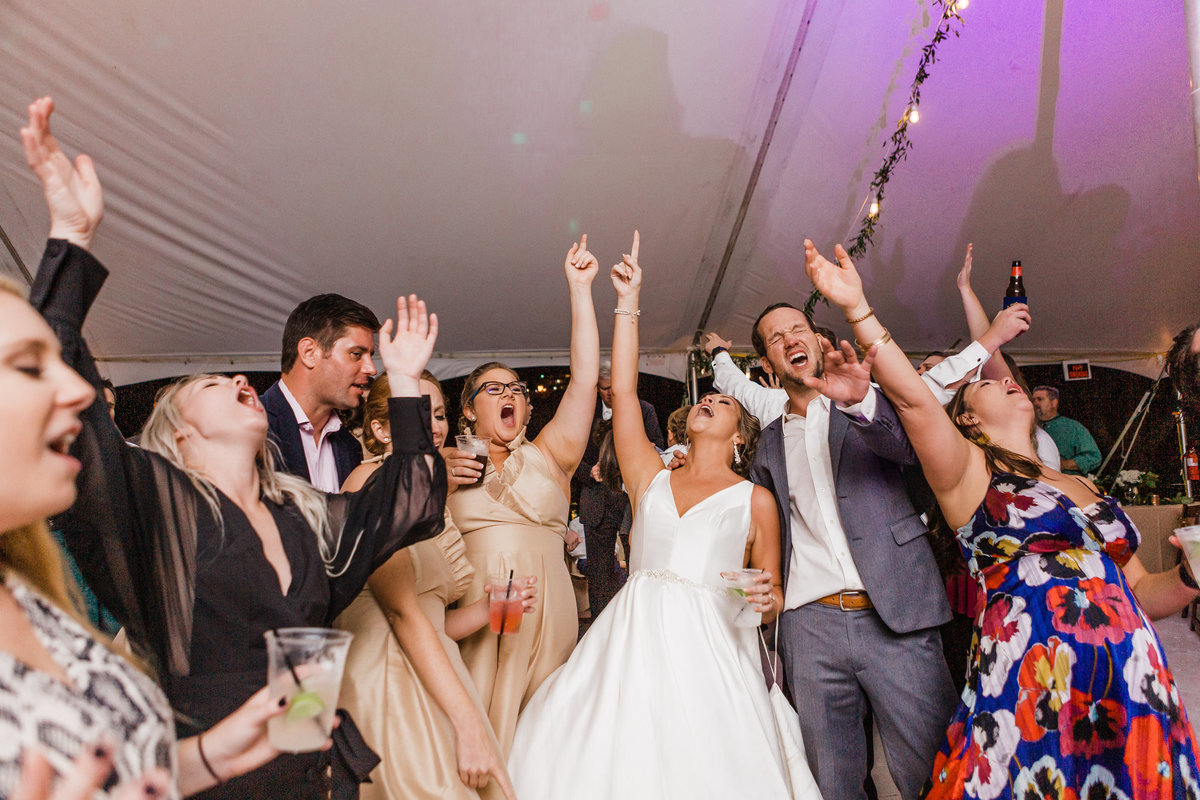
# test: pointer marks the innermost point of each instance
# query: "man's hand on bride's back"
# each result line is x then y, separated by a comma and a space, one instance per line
678, 460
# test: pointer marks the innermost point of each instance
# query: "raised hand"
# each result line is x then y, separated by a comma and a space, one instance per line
844, 378
581, 266
838, 282
406, 353
1010, 323
712, 340
964, 275
73, 193
771, 381
627, 276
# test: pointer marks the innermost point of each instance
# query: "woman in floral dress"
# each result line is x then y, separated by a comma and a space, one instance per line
1068, 694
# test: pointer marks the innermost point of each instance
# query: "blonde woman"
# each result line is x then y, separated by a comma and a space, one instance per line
406, 683
195, 541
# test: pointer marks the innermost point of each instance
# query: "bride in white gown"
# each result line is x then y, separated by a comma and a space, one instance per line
665, 696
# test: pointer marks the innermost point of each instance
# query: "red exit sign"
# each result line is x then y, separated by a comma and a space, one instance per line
1077, 370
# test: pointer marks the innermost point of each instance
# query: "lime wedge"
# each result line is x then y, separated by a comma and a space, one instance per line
304, 705
736, 592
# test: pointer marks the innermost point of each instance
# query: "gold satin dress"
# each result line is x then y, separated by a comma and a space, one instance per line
397, 715
517, 520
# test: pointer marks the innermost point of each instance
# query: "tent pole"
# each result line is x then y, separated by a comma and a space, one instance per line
693, 381
1181, 430
1192, 13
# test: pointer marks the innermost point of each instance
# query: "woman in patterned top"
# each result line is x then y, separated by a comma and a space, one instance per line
1068, 693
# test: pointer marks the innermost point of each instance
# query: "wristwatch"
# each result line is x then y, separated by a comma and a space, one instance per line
718, 349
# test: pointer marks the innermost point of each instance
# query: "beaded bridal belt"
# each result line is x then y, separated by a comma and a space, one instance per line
674, 577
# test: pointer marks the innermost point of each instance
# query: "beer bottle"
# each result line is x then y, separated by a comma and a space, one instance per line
1015, 293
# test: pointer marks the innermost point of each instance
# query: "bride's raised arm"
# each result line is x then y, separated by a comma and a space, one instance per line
636, 456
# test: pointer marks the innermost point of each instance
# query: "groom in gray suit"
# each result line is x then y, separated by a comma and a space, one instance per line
862, 595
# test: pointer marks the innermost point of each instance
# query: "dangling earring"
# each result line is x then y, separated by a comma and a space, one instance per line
737, 457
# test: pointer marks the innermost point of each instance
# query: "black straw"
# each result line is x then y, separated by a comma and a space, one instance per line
507, 593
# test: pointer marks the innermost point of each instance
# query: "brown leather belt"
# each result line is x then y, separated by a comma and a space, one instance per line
847, 601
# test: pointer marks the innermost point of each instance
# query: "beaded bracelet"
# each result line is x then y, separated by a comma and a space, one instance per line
870, 313
627, 312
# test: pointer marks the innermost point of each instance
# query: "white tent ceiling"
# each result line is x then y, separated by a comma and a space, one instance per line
256, 153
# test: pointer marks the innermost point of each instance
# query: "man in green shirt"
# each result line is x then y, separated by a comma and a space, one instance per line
1078, 449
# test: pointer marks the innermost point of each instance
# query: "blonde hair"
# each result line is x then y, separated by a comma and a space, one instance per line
159, 436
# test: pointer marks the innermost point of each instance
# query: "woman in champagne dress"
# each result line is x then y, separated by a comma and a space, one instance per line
406, 683
515, 520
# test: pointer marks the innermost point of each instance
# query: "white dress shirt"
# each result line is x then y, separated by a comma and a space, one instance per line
821, 563
318, 452
769, 404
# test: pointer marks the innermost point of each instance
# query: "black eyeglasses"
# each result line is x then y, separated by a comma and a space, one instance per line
496, 387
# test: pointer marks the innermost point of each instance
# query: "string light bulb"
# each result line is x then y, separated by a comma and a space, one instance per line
914, 115
874, 209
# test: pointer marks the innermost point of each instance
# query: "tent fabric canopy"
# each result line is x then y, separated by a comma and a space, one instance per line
254, 154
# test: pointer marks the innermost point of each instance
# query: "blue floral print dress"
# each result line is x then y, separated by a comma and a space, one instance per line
1068, 696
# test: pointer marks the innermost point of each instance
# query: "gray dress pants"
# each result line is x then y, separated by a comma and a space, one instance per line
835, 660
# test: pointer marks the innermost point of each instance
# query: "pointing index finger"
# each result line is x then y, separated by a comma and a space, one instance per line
637, 240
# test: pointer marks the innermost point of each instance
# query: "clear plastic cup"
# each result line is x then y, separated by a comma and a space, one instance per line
1189, 541
736, 584
505, 606
477, 446
305, 665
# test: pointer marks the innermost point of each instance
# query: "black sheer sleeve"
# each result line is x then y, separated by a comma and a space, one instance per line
133, 527
402, 503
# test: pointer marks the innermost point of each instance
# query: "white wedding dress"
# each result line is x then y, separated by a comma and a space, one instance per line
664, 697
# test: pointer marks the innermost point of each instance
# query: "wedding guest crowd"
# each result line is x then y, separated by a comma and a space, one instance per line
807, 503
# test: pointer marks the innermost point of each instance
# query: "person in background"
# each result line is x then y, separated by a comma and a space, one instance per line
195, 542
604, 513
677, 441
1069, 687
110, 397
328, 341
514, 520
1076, 448
1183, 364
406, 683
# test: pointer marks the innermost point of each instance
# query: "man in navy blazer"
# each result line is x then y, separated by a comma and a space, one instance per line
863, 598
328, 342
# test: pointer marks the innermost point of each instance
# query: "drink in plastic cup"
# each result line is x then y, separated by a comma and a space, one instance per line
477, 446
1189, 540
736, 584
505, 607
317, 657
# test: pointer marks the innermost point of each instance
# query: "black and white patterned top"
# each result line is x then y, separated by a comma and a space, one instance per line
107, 699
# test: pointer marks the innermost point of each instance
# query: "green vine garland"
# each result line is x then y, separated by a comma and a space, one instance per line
900, 141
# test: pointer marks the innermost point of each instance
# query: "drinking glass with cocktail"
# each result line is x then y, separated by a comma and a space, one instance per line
304, 665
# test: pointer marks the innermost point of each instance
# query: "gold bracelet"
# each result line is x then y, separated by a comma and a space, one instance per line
627, 312
882, 340
870, 313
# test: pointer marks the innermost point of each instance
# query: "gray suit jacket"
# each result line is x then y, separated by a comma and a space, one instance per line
887, 539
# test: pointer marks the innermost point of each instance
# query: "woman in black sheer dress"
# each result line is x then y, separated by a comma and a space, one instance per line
197, 544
